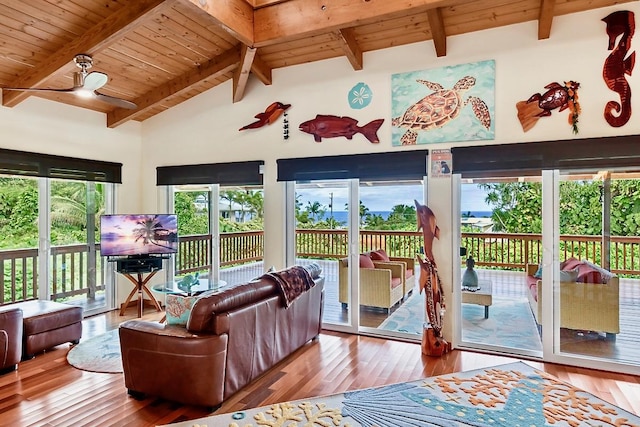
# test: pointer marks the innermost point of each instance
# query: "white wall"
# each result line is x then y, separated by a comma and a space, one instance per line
42, 126
205, 129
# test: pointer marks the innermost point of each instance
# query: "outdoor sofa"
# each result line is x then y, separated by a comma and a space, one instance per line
589, 297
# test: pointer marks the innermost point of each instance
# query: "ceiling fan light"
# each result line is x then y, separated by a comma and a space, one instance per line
84, 93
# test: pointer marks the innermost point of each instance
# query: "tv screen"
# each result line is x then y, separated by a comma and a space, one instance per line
138, 234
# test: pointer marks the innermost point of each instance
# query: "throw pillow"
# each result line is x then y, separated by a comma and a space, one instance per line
569, 275
538, 273
570, 264
366, 262
178, 309
379, 255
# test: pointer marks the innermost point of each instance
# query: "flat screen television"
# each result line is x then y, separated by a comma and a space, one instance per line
138, 234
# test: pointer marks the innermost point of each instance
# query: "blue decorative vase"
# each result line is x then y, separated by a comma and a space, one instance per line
470, 277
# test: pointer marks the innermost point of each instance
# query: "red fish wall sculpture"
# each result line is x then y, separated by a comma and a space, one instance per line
620, 25
433, 343
270, 115
327, 126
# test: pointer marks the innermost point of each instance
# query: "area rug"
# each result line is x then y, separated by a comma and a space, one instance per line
510, 395
98, 354
510, 323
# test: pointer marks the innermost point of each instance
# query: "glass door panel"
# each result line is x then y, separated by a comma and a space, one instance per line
598, 271
321, 236
77, 272
19, 244
390, 302
229, 249
500, 250
241, 224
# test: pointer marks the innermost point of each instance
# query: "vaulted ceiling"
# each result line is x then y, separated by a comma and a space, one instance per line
159, 53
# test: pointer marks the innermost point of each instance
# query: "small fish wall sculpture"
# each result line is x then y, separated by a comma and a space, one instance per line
620, 26
270, 115
557, 96
327, 126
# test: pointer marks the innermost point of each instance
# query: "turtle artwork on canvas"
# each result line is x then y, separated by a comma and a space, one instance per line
439, 108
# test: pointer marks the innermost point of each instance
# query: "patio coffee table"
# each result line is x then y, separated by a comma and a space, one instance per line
482, 296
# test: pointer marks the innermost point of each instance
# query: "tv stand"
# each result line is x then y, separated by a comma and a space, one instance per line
134, 268
140, 287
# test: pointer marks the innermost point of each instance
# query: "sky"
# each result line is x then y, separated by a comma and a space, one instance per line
379, 198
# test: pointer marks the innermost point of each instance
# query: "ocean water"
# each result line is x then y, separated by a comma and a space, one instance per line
343, 216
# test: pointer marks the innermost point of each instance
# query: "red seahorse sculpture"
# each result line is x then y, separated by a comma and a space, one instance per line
433, 343
619, 24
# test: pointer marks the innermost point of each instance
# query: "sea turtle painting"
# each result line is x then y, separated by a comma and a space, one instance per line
439, 108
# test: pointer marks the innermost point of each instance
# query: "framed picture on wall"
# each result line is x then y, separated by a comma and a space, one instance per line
453, 103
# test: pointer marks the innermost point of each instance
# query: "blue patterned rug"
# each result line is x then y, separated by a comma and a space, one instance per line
511, 395
510, 323
98, 354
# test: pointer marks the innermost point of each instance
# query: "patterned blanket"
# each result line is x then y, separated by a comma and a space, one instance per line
292, 282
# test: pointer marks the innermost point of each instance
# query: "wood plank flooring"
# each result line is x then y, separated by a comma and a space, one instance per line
47, 391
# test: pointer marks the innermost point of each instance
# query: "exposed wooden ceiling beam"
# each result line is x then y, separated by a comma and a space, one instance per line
241, 73
99, 37
436, 24
302, 18
214, 68
261, 70
546, 18
352, 50
235, 16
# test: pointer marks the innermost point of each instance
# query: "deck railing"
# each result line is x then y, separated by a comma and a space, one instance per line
70, 264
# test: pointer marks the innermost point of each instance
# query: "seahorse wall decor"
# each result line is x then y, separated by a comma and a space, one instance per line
620, 25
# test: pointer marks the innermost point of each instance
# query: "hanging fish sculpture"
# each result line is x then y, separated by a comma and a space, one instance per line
269, 115
558, 97
327, 126
620, 26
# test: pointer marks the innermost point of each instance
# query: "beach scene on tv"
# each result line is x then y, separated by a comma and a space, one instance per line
138, 234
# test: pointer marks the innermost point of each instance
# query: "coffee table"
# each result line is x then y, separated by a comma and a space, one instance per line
204, 285
482, 296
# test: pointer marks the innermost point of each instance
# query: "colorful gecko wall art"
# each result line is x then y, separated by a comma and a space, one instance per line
620, 25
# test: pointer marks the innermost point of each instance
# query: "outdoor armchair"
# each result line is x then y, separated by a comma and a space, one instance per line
381, 283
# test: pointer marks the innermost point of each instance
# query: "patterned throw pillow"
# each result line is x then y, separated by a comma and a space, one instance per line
178, 309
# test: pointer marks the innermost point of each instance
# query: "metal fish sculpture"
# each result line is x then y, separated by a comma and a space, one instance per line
269, 115
327, 126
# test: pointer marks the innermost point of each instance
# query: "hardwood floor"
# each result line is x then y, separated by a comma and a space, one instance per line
47, 391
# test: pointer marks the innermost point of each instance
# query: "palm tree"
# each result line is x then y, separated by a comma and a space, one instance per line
150, 230
315, 209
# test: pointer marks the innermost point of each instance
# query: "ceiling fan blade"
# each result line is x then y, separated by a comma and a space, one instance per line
34, 89
95, 80
118, 102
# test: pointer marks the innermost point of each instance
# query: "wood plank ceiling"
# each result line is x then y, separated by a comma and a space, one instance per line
158, 53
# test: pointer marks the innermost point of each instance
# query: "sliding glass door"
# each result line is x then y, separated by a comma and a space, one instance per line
322, 233
597, 271
500, 240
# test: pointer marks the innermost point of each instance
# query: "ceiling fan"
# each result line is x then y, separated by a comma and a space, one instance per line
86, 84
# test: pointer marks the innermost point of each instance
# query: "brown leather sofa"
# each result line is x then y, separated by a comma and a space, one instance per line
10, 338
232, 337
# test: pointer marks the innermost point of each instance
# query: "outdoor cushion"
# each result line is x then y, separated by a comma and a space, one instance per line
588, 274
569, 275
395, 282
366, 262
570, 264
379, 255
